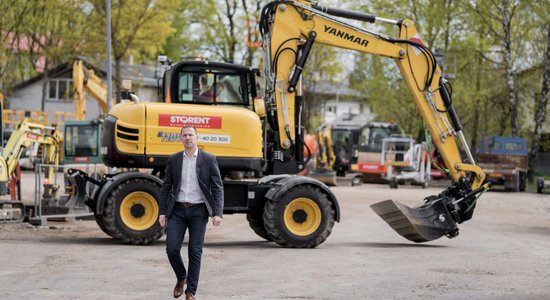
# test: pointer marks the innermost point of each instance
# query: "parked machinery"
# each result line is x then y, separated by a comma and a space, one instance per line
23, 136
370, 149
542, 184
505, 161
406, 161
336, 155
263, 138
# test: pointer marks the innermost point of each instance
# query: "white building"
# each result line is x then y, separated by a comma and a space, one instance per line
26, 97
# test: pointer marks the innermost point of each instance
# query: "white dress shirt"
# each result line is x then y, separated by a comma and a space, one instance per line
190, 191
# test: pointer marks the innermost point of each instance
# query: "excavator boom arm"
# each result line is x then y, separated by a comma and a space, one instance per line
86, 82
291, 28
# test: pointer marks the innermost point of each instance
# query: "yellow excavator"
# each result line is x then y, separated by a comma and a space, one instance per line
336, 156
86, 82
262, 138
22, 137
82, 142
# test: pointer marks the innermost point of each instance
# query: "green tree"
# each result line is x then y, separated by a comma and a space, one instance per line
215, 29
138, 27
379, 78
499, 18
323, 68
541, 104
44, 31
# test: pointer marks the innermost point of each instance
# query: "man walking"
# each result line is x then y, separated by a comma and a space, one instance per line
192, 191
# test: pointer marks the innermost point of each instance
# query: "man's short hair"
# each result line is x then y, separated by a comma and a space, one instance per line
189, 126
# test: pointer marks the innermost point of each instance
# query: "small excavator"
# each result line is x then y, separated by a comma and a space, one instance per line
23, 136
82, 138
262, 138
336, 156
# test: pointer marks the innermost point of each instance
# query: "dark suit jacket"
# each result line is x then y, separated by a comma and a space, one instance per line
208, 175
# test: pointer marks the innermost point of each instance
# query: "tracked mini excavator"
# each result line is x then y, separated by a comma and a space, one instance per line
24, 135
262, 138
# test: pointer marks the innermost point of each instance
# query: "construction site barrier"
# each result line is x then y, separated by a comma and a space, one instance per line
62, 207
11, 117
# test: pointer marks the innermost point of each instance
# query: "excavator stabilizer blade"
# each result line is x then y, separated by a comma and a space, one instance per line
328, 178
425, 223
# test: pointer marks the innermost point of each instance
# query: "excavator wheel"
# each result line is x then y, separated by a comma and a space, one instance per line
131, 212
256, 222
302, 217
101, 223
357, 180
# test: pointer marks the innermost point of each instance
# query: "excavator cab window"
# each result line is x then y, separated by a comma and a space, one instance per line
81, 141
212, 83
372, 136
212, 88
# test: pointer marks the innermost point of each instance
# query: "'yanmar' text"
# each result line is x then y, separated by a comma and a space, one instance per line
346, 36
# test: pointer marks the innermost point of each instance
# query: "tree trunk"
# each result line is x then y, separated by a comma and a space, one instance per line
540, 113
512, 102
475, 123
45, 90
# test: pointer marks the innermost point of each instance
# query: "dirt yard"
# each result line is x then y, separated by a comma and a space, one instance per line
502, 253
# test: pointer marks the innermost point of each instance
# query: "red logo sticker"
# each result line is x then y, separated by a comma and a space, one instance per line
197, 121
81, 159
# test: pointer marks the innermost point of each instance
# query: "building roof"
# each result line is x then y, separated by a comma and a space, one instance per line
139, 74
330, 88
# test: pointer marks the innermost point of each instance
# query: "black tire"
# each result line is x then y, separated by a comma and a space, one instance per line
540, 185
356, 181
131, 212
394, 184
101, 223
302, 217
256, 221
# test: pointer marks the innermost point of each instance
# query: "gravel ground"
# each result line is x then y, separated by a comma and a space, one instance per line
502, 253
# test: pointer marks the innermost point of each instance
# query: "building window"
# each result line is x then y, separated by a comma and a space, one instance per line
60, 89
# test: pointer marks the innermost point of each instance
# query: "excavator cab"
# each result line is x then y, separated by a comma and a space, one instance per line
82, 142
194, 82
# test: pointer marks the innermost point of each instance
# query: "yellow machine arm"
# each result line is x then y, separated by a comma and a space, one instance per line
326, 156
291, 28
22, 138
85, 81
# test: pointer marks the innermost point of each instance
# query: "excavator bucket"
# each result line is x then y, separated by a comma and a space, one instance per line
424, 223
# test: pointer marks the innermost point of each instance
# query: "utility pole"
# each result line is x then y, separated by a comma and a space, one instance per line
109, 64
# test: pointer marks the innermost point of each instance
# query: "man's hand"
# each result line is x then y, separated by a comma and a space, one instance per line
216, 220
162, 221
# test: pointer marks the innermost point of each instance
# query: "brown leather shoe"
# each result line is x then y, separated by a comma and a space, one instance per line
189, 296
178, 289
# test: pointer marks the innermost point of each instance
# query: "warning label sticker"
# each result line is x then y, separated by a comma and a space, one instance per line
416, 39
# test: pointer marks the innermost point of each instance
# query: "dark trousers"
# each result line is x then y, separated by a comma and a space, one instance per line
195, 219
